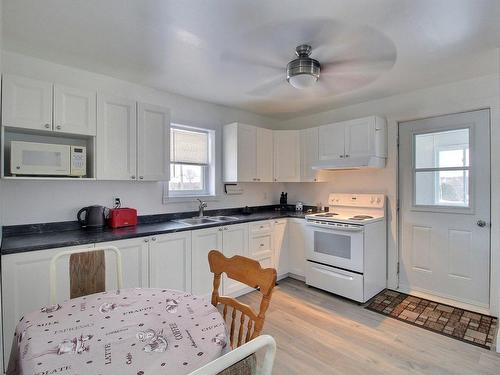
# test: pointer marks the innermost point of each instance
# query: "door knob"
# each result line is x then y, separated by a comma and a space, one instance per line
481, 223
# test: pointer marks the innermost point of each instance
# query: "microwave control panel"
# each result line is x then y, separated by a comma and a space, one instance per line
78, 160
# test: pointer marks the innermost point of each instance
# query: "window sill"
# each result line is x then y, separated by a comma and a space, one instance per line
190, 198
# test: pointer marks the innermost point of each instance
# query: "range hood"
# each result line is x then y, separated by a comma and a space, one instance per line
362, 162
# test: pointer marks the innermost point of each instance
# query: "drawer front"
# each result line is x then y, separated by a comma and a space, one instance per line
261, 246
343, 283
261, 227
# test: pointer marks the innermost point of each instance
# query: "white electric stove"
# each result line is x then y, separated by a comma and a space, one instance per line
347, 253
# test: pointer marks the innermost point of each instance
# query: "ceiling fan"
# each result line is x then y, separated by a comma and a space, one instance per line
331, 58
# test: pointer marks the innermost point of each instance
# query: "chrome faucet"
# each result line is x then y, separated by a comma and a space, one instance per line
201, 207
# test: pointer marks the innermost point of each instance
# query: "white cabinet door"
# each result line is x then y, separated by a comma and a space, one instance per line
74, 110
26, 103
309, 154
170, 261
116, 138
204, 240
234, 242
25, 286
264, 154
286, 148
360, 137
153, 143
134, 262
280, 253
331, 141
247, 160
298, 236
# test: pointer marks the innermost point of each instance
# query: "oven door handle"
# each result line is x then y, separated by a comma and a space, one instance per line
335, 228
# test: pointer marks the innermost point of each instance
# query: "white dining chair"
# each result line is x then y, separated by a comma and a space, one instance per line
240, 353
81, 263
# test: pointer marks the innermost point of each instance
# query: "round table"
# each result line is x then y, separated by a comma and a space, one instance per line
129, 331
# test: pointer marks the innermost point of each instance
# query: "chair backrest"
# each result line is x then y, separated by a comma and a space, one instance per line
249, 272
87, 271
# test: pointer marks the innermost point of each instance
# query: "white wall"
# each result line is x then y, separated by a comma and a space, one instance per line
482, 92
23, 202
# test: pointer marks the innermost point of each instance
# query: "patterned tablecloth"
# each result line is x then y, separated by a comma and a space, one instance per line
130, 331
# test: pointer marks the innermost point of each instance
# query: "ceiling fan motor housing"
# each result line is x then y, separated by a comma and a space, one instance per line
303, 64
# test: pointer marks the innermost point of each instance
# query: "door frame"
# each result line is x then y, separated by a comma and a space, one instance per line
494, 268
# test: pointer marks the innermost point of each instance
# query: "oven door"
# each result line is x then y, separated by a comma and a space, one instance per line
337, 247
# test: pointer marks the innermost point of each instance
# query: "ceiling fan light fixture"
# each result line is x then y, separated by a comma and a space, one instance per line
303, 72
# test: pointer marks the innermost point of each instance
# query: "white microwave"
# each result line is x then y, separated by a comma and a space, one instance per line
45, 159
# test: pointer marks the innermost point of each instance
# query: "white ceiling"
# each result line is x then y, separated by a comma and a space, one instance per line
206, 49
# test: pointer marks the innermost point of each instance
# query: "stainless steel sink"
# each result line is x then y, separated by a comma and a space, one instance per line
206, 220
223, 218
196, 221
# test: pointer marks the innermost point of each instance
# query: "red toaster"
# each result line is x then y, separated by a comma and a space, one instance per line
122, 217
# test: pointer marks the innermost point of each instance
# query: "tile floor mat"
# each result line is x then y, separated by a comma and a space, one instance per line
473, 328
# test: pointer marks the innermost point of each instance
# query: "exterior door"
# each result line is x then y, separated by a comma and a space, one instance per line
444, 190
153, 140
116, 139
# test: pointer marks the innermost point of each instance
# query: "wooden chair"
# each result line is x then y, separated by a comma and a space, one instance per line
87, 271
249, 272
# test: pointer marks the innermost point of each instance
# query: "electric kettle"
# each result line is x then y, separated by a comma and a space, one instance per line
95, 216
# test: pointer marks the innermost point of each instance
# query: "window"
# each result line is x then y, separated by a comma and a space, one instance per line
190, 161
441, 168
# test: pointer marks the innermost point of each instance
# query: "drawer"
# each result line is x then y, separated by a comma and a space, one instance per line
260, 246
344, 283
261, 227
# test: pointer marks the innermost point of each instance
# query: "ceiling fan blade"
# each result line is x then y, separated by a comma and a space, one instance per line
253, 60
269, 86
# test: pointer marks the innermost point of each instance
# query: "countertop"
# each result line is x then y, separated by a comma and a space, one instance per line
23, 242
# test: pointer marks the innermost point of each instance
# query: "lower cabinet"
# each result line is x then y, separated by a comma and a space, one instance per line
203, 240
25, 287
230, 240
170, 261
260, 243
298, 234
280, 253
134, 263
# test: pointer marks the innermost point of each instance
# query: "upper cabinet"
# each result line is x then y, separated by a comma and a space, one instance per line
309, 154
286, 155
39, 105
247, 153
74, 110
133, 140
116, 138
153, 143
353, 144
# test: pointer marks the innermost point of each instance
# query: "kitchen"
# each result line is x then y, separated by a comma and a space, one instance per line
275, 149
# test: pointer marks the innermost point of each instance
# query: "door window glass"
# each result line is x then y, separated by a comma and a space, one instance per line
332, 244
441, 172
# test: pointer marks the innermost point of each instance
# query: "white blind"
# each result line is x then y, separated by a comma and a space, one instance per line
188, 146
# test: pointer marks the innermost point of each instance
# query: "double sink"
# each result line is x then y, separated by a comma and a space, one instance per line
199, 220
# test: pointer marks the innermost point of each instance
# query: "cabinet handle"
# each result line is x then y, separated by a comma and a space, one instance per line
132, 177
220, 229
275, 179
261, 227
58, 127
347, 156
226, 228
261, 244
47, 126
141, 177
146, 240
342, 156
154, 238
315, 180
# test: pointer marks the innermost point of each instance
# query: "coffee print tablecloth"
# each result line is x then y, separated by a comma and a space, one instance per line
129, 331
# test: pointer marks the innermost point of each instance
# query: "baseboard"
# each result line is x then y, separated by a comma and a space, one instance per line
296, 277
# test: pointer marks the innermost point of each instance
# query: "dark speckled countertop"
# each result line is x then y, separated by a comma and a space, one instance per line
47, 236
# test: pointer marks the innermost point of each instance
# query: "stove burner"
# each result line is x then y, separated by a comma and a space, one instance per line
328, 214
361, 217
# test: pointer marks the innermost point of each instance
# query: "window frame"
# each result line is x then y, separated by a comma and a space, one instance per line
439, 207
207, 169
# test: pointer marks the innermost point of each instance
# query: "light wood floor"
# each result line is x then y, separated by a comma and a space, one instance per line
318, 333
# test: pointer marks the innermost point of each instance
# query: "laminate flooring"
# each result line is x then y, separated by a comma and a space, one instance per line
320, 333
